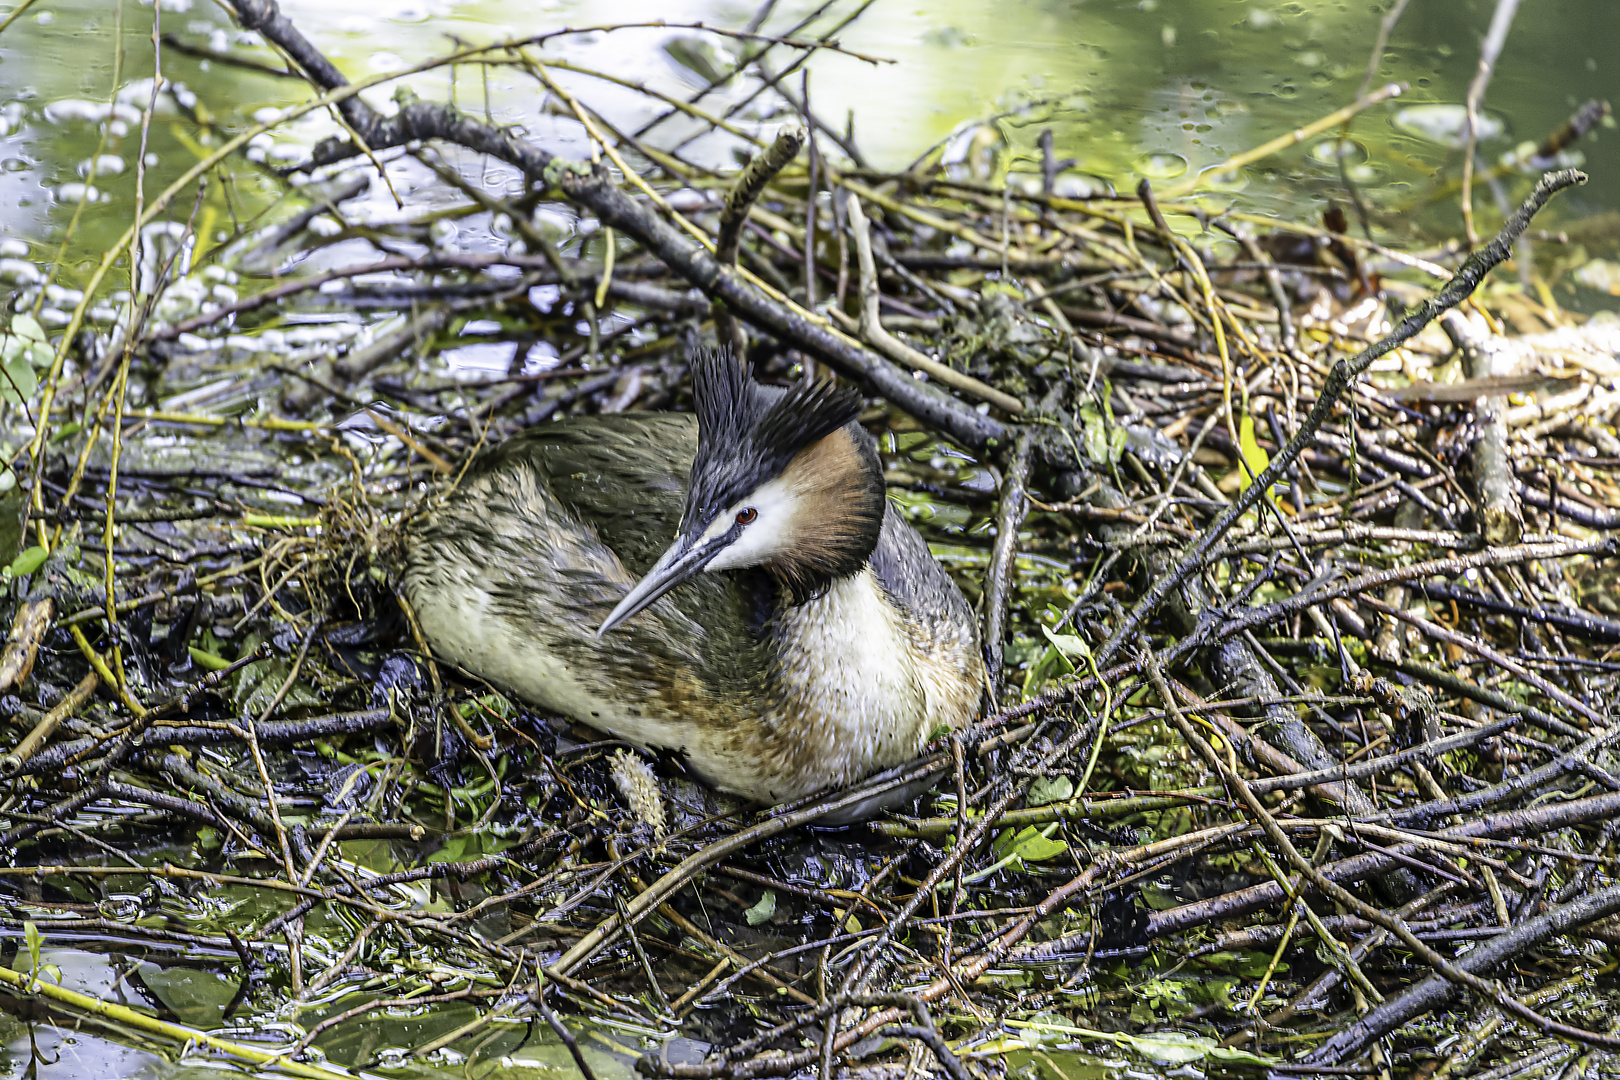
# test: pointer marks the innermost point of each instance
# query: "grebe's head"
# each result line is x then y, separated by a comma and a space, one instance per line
783, 480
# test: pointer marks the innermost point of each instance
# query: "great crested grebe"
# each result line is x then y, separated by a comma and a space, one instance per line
730, 586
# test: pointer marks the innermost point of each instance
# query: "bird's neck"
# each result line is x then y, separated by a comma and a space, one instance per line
846, 655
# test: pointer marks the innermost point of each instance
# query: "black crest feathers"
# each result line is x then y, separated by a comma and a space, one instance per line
747, 433
720, 396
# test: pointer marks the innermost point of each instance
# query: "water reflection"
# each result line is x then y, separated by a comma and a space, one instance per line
64, 1049
1130, 88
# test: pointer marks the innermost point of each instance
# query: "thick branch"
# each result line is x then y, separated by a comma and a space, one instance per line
1494, 484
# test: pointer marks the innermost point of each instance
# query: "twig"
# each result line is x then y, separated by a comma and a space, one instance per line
871, 327
1489, 50
1283, 142
12, 763
747, 187
998, 578
539, 999
740, 198
1386, 27
811, 212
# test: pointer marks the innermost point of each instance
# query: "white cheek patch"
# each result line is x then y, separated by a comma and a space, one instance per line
763, 538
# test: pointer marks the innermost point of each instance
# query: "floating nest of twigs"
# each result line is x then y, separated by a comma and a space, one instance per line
1295, 556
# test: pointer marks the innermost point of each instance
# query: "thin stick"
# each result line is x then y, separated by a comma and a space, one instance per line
871, 327
138, 303
99, 665
743, 61
740, 198
747, 187
17, 14
810, 221
1293, 138
564, 1034
12, 763
998, 578
1386, 27
1489, 50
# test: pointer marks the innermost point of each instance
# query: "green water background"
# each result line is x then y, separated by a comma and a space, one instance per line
1146, 87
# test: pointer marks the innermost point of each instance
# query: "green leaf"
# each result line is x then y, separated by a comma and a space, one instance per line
258, 684
1057, 658
11, 526
1068, 644
1253, 454
698, 56
27, 562
1162, 990
1104, 441
35, 941
1049, 789
18, 383
1028, 845
27, 327
909, 440
1172, 1047
1041, 670
211, 661
1000, 287
1167, 1047
198, 997
762, 911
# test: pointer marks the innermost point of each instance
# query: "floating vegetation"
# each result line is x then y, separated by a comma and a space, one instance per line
1446, 125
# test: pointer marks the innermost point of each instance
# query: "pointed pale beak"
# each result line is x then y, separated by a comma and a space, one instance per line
674, 566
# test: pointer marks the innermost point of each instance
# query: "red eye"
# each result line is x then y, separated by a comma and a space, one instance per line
746, 517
